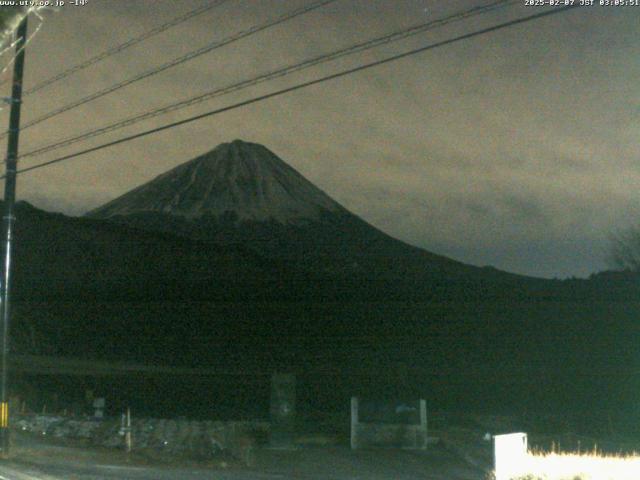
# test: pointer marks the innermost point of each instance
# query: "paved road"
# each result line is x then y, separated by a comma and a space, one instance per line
21, 471
369, 470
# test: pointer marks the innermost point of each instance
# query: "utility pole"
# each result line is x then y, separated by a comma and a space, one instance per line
9, 219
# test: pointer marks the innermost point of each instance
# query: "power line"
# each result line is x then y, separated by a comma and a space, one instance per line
303, 85
175, 62
123, 46
281, 72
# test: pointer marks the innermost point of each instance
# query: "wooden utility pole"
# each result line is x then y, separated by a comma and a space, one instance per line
8, 221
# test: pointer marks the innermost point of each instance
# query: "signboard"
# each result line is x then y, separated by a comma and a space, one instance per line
510, 455
391, 424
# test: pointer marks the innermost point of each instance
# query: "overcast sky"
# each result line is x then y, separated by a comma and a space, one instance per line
517, 149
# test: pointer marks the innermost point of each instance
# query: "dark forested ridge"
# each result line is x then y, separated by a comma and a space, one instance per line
327, 292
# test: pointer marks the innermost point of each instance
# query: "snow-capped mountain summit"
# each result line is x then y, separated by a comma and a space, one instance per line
240, 177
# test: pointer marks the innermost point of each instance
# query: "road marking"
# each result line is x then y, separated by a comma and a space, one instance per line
18, 475
120, 467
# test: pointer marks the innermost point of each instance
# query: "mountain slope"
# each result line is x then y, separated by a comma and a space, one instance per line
66, 258
242, 193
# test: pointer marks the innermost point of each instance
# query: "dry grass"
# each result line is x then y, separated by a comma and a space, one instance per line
579, 466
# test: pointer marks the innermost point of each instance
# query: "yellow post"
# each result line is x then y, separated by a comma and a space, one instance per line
4, 415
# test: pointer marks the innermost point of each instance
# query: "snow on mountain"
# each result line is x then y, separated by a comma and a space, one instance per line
240, 177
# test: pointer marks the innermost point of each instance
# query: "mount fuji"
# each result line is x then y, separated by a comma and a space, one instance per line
242, 193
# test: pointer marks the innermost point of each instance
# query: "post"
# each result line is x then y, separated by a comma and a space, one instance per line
9, 201
127, 435
283, 411
423, 423
354, 423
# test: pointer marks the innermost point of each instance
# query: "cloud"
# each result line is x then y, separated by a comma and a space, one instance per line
516, 149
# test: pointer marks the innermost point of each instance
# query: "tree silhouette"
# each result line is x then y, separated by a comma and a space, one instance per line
625, 249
